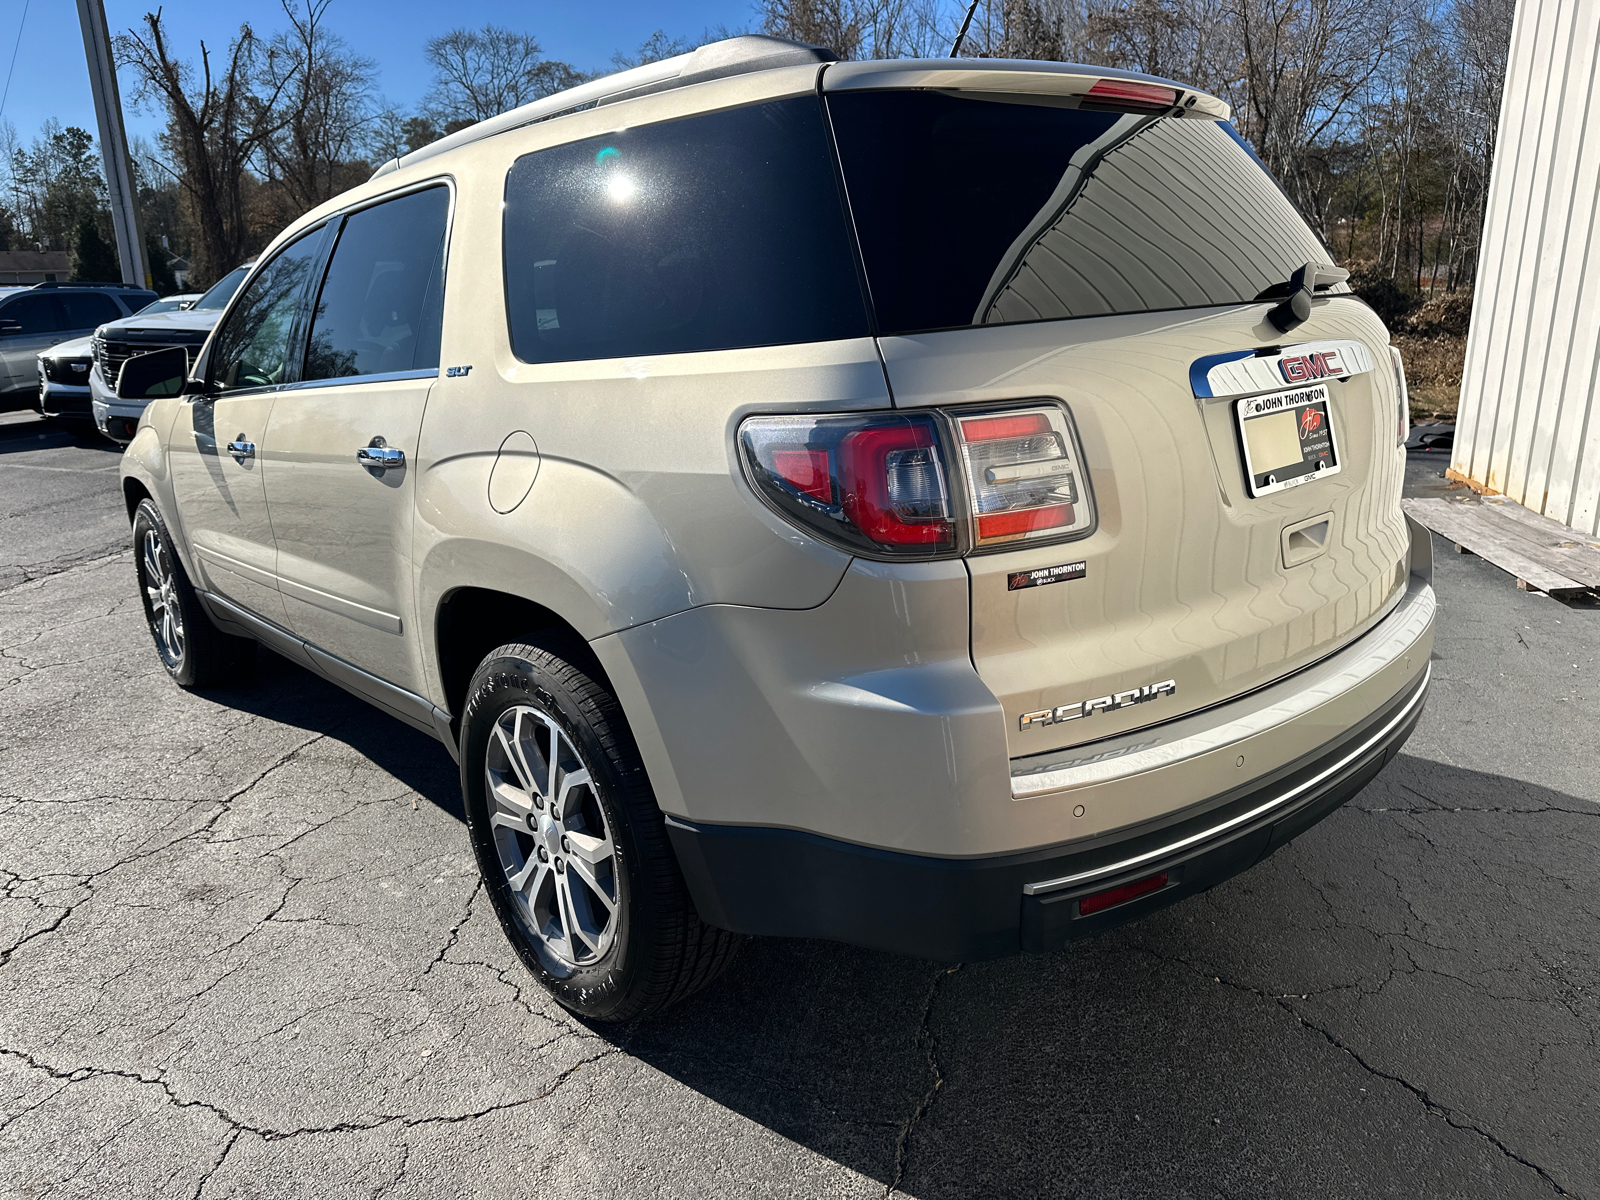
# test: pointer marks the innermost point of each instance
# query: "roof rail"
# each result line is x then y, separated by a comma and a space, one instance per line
732, 56
88, 283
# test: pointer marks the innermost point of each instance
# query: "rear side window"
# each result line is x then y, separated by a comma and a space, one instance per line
85, 310
35, 314
380, 304
993, 211
707, 233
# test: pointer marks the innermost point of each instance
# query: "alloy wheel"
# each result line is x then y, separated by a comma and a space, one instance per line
161, 597
554, 843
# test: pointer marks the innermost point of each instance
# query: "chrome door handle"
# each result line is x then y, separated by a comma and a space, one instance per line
241, 449
381, 456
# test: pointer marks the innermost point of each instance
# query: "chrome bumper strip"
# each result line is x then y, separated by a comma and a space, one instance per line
1306, 690
1066, 881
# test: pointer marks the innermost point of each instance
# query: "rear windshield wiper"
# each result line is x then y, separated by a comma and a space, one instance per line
1297, 292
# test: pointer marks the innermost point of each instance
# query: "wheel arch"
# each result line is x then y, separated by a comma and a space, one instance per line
134, 491
471, 620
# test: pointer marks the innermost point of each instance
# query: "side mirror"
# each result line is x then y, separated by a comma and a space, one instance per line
7, 325
151, 376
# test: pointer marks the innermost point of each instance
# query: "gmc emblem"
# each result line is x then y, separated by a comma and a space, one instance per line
1299, 368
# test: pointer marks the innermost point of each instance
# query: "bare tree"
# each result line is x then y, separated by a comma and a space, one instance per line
1188, 40
655, 48
213, 132
850, 28
325, 92
1303, 68
479, 73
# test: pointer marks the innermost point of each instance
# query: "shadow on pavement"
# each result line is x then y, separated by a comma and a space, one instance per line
1234, 1038
1188, 1054
292, 695
20, 435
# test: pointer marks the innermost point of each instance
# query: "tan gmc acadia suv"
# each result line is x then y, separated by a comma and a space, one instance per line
950, 507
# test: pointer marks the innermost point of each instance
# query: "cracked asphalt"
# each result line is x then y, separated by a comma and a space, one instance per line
243, 952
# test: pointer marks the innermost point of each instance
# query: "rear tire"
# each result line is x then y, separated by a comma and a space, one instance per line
192, 649
572, 847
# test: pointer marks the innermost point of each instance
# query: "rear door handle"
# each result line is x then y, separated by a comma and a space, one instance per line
380, 455
241, 449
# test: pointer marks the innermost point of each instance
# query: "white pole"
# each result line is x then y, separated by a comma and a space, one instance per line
113, 143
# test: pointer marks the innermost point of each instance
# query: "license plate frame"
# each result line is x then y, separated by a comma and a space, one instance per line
1312, 406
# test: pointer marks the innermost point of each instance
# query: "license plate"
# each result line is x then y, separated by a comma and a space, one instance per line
1287, 438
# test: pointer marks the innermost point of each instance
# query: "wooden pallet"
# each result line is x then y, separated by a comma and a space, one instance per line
1544, 555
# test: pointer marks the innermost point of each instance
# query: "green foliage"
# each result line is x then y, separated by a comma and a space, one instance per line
93, 258
56, 182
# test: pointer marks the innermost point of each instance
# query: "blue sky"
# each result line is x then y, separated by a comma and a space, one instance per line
51, 80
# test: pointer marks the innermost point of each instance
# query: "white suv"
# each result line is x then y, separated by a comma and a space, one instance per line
949, 507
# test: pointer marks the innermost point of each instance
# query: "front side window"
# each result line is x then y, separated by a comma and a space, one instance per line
706, 233
252, 348
33, 314
380, 303
994, 210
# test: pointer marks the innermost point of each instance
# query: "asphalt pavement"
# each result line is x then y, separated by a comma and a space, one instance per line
243, 952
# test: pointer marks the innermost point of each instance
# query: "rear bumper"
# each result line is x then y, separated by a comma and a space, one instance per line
781, 882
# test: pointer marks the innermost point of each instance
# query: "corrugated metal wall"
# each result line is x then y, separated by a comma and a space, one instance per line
1529, 422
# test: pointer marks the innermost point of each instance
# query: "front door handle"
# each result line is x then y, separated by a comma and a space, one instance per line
381, 456
241, 449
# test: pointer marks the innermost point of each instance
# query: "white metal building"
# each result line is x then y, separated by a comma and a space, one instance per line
1529, 421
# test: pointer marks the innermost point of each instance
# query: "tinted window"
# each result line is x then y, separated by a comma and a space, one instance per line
85, 310
220, 292
36, 314
380, 302
980, 211
703, 234
252, 348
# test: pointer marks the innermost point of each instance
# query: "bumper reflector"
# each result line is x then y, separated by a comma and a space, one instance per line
1121, 895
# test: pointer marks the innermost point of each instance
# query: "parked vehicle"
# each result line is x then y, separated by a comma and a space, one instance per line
148, 330
64, 382
950, 508
38, 317
174, 303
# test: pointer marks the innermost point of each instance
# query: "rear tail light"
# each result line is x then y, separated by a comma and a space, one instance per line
1402, 396
1133, 94
873, 484
881, 484
1024, 475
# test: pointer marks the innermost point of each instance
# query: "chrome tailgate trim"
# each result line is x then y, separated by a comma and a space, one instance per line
1244, 818
1285, 701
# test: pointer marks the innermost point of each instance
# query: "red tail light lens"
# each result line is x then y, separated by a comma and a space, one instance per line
892, 484
867, 483
1132, 93
879, 484
1024, 475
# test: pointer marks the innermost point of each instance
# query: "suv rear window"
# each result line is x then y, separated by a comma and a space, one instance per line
983, 211
707, 233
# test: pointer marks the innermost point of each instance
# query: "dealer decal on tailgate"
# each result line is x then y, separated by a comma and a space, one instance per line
1044, 575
